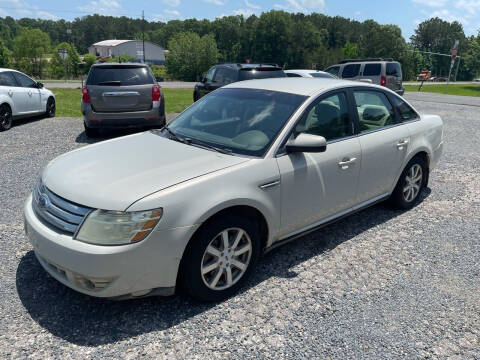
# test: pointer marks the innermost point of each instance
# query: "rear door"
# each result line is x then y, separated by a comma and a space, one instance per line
9, 87
120, 88
394, 76
31, 96
372, 71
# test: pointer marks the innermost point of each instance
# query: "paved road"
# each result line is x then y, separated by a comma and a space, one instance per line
165, 85
381, 284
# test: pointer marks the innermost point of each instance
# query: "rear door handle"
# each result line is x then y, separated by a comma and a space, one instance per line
401, 144
346, 162
10, 93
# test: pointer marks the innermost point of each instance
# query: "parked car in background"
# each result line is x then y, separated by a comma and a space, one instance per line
121, 95
477, 80
224, 74
249, 167
383, 72
21, 96
309, 74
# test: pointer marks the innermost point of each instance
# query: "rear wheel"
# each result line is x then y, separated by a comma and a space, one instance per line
6, 117
91, 132
220, 258
51, 108
411, 183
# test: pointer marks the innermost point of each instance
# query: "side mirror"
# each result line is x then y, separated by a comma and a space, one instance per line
159, 78
306, 143
39, 85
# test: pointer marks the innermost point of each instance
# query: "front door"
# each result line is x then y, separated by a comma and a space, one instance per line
317, 185
384, 144
30, 91
9, 87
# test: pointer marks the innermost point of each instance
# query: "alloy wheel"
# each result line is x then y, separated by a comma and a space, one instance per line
413, 183
226, 259
5, 117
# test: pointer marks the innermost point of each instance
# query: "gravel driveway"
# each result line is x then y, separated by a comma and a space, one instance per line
381, 284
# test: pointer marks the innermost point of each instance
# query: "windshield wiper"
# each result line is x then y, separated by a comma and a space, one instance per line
113, 82
174, 136
207, 146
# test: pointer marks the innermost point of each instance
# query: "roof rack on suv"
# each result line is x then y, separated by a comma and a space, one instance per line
363, 60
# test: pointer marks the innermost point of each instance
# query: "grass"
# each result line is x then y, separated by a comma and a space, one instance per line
453, 89
68, 101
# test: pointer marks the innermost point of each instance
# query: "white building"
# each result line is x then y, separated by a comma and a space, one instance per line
154, 54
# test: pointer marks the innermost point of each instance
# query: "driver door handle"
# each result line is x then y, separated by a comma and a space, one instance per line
346, 162
401, 144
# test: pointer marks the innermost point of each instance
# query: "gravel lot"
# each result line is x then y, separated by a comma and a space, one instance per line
379, 284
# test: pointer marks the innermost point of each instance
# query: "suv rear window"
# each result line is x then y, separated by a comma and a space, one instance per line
394, 69
260, 73
333, 70
119, 75
350, 71
372, 69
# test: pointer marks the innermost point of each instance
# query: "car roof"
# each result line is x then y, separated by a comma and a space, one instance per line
107, 64
304, 71
250, 66
300, 86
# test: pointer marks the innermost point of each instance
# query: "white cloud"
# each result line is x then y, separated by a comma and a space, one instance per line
447, 15
245, 12
303, 6
105, 7
216, 2
167, 15
252, 5
173, 3
45, 15
431, 3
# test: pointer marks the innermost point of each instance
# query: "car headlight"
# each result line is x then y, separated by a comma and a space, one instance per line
103, 227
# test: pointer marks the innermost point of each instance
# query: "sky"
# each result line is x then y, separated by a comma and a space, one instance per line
405, 13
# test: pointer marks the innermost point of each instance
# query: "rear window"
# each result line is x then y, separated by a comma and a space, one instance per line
394, 69
333, 70
119, 75
322, 75
261, 73
350, 71
293, 75
372, 70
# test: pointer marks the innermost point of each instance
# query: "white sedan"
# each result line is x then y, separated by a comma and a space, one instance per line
249, 167
309, 74
20, 96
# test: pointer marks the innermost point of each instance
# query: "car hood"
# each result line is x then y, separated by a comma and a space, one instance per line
111, 175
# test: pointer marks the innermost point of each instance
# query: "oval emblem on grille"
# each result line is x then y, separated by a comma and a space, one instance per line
43, 201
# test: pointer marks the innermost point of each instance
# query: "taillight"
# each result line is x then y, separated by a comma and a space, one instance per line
85, 95
383, 81
156, 93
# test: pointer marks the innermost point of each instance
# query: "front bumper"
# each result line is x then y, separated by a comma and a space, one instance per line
131, 119
145, 268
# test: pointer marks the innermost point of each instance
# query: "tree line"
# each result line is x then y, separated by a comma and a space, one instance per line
290, 40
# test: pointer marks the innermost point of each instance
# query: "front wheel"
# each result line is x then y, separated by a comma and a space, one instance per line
6, 117
220, 258
410, 185
51, 108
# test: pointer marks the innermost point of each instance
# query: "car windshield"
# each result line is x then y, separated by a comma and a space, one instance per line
119, 75
322, 75
241, 121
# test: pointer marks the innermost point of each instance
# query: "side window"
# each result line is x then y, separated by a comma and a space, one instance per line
24, 81
333, 70
293, 75
406, 112
7, 79
374, 110
329, 118
350, 71
209, 76
372, 70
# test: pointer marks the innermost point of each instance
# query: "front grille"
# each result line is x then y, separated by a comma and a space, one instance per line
62, 214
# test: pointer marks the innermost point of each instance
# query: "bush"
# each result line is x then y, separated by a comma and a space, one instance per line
159, 71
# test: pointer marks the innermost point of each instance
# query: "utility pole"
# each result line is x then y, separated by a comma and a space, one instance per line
143, 35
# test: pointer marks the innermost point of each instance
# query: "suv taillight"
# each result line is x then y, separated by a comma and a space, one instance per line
156, 93
383, 81
85, 95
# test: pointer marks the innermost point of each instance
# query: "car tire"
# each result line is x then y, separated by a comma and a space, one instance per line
91, 132
209, 273
51, 108
6, 117
410, 184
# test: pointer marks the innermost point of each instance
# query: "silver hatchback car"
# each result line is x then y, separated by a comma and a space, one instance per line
122, 95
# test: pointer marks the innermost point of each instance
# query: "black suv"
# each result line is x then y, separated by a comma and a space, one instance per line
223, 74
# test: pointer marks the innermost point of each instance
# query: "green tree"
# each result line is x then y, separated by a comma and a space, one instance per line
29, 49
123, 58
71, 63
88, 60
350, 50
4, 55
190, 55
472, 57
